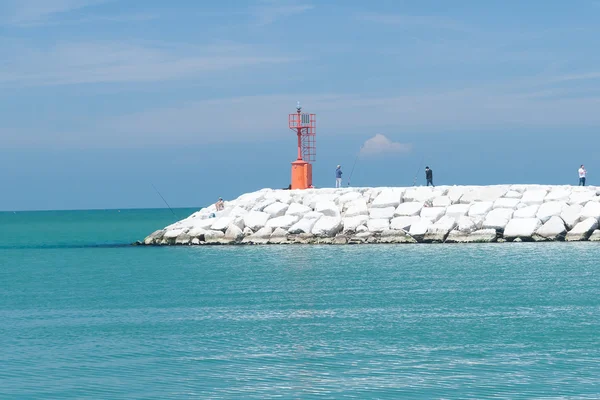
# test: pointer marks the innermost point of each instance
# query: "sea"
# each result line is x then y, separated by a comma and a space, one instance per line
85, 315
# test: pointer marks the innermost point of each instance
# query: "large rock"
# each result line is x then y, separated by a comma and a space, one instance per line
283, 222
558, 194
553, 229
483, 194
480, 208
351, 223
571, 215
469, 224
214, 237
591, 210
387, 198
442, 201
263, 204
348, 198
455, 193
550, 209
513, 194
421, 194
395, 236
327, 226
221, 224
408, 209
497, 219
403, 223
276, 209
527, 212
255, 220
328, 208
305, 225
506, 203
437, 232
595, 236
357, 207
419, 229
522, 228
173, 233
479, 236
382, 213
432, 213
279, 236
582, 230
312, 201
234, 233
184, 238
298, 209
155, 237
378, 225
580, 196
534, 196
457, 210
261, 236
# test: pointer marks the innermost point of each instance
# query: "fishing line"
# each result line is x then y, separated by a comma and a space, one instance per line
354, 165
418, 169
161, 196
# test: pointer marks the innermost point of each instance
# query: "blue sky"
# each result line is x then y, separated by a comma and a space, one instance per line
99, 99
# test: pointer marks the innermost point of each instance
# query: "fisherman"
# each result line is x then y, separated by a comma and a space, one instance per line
429, 176
338, 176
220, 205
582, 174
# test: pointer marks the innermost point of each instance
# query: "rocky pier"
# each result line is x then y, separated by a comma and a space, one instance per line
444, 214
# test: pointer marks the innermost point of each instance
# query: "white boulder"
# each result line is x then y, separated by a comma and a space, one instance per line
478, 236
305, 225
506, 203
558, 194
512, 194
357, 207
214, 237
497, 218
591, 209
173, 233
327, 208
432, 213
351, 223
457, 210
263, 204
550, 209
408, 209
483, 194
421, 194
439, 230
403, 223
526, 212
261, 236
553, 229
276, 209
382, 213
580, 196
419, 229
387, 198
469, 224
572, 215
378, 225
234, 233
298, 209
349, 197
534, 196
327, 226
480, 208
284, 222
522, 228
455, 193
256, 220
582, 230
442, 201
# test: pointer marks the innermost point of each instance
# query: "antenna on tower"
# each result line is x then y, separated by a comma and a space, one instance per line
298, 108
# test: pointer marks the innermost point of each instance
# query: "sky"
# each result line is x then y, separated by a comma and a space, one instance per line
102, 99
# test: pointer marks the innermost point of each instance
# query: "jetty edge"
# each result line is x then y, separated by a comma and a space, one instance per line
357, 215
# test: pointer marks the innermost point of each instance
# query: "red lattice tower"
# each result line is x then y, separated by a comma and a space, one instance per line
305, 126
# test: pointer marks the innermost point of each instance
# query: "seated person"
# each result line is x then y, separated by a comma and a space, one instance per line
220, 205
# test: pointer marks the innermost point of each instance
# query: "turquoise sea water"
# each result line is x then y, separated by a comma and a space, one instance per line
82, 315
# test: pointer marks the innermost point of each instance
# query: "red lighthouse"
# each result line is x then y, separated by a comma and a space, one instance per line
304, 125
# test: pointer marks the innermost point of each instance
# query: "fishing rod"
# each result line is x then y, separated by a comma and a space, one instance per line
354, 165
417, 173
161, 196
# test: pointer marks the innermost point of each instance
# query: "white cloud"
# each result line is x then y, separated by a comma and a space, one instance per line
111, 62
35, 12
380, 144
273, 10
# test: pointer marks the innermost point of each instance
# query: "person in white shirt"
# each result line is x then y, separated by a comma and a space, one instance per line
582, 173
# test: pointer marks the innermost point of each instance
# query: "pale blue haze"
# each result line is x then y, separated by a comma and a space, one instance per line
100, 97
503, 321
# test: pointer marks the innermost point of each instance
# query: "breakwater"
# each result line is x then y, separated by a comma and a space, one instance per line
444, 214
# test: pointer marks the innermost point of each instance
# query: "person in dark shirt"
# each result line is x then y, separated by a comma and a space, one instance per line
429, 176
